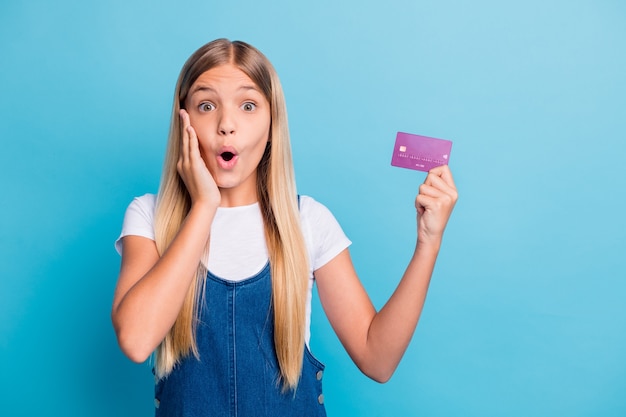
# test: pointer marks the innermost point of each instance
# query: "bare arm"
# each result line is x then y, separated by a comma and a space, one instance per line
374, 340
151, 289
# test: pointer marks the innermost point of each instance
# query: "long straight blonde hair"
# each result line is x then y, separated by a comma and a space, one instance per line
278, 203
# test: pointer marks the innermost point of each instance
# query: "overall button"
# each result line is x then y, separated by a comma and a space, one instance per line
319, 375
157, 403
320, 399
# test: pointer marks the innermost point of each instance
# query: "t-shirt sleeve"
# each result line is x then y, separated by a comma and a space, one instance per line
323, 235
138, 220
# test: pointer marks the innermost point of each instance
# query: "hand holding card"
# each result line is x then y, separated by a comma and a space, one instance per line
420, 152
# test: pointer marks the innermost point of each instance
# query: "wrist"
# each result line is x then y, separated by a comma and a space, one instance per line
204, 205
201, 213
428, 246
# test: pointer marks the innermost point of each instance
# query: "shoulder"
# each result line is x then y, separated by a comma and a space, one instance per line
141, 209
145, 203
138, 219
311, 208
322, 233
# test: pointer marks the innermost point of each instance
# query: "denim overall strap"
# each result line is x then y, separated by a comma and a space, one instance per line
237, 373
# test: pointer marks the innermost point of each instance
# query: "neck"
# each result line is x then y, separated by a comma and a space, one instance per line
235, 197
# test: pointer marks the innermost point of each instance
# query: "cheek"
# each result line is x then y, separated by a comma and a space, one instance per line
265, 126
204, 151
204, 138
201, 124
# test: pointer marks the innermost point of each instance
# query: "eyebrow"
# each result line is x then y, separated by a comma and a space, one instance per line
203, 88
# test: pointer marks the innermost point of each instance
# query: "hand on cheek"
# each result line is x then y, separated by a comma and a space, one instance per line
192, 168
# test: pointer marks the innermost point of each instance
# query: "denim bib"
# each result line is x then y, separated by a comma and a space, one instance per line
237, 373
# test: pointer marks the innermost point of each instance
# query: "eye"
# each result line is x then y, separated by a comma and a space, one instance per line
248, 106
206, 106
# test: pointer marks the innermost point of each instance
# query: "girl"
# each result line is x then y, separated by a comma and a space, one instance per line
217, 269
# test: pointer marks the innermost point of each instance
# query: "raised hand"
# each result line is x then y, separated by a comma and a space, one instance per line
434, 203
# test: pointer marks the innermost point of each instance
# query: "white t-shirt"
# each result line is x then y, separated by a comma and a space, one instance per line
237, 240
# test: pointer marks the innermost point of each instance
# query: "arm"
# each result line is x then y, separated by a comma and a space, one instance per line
151, 289
374, 340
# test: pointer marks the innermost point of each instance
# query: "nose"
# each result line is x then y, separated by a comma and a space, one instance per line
226, 125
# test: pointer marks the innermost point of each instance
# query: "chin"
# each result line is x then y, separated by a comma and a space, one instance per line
226, 183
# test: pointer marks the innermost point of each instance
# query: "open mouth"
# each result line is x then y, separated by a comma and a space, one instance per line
227, 156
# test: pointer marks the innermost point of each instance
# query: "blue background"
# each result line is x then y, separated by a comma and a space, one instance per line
526, 313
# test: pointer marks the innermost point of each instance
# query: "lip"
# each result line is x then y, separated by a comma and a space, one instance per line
230, 163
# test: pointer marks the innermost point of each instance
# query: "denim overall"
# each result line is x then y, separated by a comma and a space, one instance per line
237, 373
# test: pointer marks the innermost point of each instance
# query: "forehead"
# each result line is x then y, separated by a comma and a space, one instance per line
223, 77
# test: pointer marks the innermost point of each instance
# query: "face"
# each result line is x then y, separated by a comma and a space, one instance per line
232, 119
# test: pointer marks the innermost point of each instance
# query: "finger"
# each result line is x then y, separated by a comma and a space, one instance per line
438, 198
441, 173
184, 143
194, 145
438, 206
189, 133
423, 202
184, 118
419, 206
440, 184
444, 173
431, 191
184, 121
437, 182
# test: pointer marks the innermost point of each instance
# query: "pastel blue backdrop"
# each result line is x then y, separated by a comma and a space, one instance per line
526, 313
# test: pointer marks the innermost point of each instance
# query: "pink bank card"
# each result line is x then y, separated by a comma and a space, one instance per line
420, 152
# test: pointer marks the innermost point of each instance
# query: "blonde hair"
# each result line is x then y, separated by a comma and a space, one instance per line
277, 196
